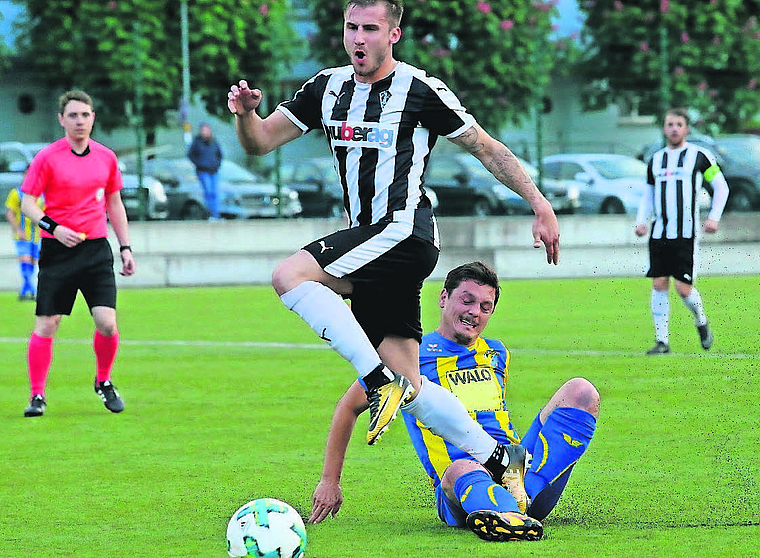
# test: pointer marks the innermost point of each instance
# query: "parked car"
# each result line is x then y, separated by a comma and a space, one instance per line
464, 187
607, 183
738, 156
242, 194
317, 184
563, 195
14, 160
148, 202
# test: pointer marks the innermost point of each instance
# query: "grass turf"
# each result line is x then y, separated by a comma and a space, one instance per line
229, 398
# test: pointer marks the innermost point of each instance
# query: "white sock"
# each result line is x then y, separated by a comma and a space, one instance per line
440, 410
694, 303
331, 318
660, 304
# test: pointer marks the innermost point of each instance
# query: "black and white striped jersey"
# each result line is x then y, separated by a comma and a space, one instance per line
381, 135
675, 178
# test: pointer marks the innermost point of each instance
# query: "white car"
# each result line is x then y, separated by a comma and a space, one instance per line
607, 183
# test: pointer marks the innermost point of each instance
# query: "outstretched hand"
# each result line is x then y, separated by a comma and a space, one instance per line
326, 500
241, 99
546, 232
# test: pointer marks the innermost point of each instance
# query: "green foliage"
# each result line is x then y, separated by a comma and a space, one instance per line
98, 45
496, 56
712, 57
222, 410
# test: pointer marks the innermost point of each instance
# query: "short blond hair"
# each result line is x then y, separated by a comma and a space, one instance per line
394, 8
74, 95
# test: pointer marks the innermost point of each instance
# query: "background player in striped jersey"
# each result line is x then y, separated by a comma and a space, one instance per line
82, 184
27, 237
476, 370
381, 118
675, 175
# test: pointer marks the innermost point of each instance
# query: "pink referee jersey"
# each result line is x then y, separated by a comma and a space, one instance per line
75, 187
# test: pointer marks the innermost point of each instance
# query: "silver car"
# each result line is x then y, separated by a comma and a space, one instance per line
607, 183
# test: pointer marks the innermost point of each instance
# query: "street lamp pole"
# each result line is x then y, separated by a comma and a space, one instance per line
185, 108
664, 62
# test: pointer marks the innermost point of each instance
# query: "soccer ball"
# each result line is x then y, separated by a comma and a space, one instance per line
266, 528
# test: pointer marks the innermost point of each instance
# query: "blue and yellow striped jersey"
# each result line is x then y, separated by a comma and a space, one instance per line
478, 377
13, 202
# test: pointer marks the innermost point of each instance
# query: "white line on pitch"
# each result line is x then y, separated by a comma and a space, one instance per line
320, 346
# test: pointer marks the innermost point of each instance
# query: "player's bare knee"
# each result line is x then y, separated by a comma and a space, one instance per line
47, 326
582, 394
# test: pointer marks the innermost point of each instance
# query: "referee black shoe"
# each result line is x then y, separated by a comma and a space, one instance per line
36, 406
111, 398
660, 348
705, 336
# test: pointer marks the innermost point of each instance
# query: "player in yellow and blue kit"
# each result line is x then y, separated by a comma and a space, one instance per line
27, 238
475, 370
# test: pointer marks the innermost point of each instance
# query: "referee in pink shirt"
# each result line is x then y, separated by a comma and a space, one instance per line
81, 183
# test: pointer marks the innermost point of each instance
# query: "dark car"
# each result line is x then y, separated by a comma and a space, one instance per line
464, 187
242, 194
738, 156
317, 185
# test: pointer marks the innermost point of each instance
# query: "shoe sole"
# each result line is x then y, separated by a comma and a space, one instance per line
34, 413
490, 526
375, 432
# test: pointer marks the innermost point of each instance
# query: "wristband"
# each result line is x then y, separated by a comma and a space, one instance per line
125, 247
47, 224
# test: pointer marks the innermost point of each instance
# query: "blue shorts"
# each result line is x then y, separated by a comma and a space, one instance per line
28, 248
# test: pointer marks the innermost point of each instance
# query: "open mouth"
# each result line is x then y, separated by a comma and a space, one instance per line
360, 55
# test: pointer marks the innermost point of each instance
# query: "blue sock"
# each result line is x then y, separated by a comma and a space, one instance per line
556, 446
476, 490
27, 271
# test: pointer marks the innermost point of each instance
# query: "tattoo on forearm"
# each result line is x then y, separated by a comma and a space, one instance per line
469, 141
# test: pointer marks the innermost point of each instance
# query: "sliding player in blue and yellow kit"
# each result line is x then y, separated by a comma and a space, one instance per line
27, 238
475, 370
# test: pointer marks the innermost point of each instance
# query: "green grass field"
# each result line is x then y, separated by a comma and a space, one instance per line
229, 398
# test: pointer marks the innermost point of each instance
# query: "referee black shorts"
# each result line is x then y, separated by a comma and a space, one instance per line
87, 267
672, 257
386, 275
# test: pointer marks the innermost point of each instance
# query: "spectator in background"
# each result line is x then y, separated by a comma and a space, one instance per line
206, 154
27, 237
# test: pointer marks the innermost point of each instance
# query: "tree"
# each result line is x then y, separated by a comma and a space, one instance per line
96, 45
702, 54
496, 55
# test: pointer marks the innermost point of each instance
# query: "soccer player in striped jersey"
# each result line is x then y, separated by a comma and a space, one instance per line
382, 118
81, 183
476, 371
675, 176
27, 237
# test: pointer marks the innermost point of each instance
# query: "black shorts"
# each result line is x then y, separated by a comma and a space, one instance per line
386, 275
672, 257
87, 267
